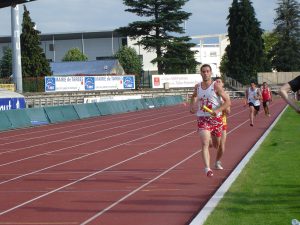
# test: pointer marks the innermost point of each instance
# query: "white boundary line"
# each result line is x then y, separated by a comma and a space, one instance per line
216, 198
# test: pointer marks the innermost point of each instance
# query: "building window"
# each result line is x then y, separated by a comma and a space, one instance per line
105, 57
141, 57
213, 54
51, 47
124, 42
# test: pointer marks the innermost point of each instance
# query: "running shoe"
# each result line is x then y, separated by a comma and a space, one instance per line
209, 172
218, 165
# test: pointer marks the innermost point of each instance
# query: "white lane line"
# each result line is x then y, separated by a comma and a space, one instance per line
62, 163
93, 153
76, 136
98, 172
154, 179
68, 124
82, 127
216, 198
138, 189
93, 174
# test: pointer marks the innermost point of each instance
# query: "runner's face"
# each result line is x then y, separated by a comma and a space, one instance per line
252, 85
219, 81
206, 73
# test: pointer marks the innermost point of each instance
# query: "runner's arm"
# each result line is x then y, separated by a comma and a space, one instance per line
226, 104
193, 100
284, 90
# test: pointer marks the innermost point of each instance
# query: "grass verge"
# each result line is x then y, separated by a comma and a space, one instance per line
267, 192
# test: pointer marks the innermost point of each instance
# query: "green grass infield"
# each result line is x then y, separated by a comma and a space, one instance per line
267, 192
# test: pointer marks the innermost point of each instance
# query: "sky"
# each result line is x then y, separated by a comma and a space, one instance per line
50, 16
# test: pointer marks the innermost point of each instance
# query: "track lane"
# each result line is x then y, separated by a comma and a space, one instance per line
142, 173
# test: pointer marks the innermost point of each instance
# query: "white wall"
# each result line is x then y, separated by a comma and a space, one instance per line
148, 56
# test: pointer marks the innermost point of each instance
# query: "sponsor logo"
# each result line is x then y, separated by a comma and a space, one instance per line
89, 83
156, 81
128, 82
50, 84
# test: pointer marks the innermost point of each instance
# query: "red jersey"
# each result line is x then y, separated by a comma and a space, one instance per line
266, 94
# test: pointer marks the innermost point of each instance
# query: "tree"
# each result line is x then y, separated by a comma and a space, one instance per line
34, 62
74, 54
6, 63
165, 18
270, 39
179, 58
130, 61
286, 52
245, 51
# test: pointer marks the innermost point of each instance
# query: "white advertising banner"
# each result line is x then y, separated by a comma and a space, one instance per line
89, 83
111, 98
176, 80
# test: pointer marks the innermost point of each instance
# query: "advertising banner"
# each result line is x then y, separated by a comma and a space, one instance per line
176, 80
89, 83
12, 103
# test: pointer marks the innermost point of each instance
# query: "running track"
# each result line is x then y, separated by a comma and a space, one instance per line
140, 168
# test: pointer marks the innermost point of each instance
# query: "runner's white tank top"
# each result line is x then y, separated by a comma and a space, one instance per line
251, 95
209, 98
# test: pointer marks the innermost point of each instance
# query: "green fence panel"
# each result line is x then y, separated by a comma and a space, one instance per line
18, 118
156, 103
69, 112
104, 108
5, 123
162, 101
117, 106
54, 114
134, 105
129, 105
61, 113
87, 110
124, 107
147, 103
138, 104
37, 116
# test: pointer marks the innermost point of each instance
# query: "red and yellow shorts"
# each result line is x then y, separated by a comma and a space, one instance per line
224, 120
212, 124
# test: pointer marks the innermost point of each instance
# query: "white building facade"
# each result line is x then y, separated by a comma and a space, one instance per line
211, 53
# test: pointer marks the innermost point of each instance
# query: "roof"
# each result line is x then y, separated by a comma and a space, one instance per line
96, 67
70, 36
7, 3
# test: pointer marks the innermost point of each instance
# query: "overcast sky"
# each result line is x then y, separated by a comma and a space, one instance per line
51, 16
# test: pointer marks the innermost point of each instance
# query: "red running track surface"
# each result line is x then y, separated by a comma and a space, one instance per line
140, 168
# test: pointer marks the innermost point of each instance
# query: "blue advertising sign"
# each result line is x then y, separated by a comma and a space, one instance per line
49, 83
89, 83
12, 103
128, 82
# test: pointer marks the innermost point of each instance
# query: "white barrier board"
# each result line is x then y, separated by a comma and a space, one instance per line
176, 80
89, 83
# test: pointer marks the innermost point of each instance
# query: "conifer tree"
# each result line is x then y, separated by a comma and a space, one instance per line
286, 52
245, 51
165, 19
34, 62
6, 63
179, 58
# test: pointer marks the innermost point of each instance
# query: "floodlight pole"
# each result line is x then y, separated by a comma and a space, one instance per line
16, 48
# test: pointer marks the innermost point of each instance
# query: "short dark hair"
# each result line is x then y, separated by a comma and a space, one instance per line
205, 65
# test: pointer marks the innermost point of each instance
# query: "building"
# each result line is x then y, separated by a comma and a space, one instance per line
210, 53
95, 45
102, 45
